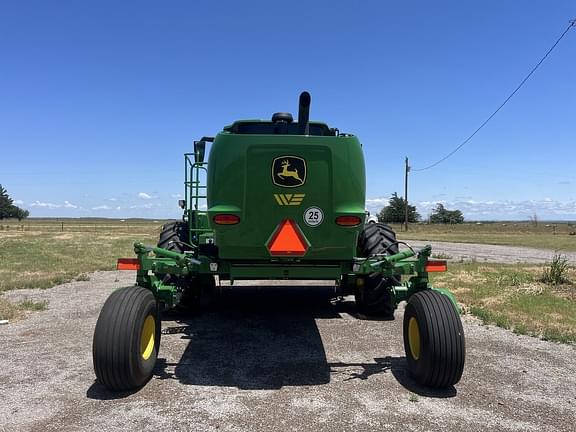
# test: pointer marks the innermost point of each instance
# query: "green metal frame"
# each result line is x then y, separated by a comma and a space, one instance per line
163, 261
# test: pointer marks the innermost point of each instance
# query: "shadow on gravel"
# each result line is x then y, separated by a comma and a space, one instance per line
99, 392
400, 372
267, 338
254, 338
399, 369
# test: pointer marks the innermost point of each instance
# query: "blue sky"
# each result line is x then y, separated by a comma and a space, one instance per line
100, 99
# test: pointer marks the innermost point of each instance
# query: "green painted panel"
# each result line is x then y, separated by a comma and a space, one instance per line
242, 181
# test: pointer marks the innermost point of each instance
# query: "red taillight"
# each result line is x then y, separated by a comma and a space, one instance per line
436, 266
348, 220
128, 264
226, 219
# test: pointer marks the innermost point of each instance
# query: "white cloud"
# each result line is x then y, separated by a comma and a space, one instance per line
101, 207
377, 200
176, 195
145, 206
49, 205
112, 199
144, 195
45, 204
507, 209
18, 202
545, 209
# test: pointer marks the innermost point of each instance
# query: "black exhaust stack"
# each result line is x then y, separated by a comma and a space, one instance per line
304, 113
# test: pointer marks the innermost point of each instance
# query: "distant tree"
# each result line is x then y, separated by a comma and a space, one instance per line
20, 214
5, 203
7, 207
394, 211
441, 215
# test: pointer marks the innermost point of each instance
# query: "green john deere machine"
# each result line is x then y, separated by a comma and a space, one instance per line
285, 200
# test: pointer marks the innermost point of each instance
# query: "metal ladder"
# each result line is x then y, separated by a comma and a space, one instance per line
195, 191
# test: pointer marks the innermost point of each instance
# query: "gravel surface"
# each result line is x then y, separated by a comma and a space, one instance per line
272, 358
492, 253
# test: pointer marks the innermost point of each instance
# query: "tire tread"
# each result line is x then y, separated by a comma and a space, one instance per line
115, 363
442, 344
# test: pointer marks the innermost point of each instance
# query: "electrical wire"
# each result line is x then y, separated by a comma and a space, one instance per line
572, 24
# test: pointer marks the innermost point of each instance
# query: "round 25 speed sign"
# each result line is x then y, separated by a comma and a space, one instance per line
313, 216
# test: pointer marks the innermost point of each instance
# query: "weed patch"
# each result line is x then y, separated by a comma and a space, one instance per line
8, 311
556, 271
11, 311
31, 305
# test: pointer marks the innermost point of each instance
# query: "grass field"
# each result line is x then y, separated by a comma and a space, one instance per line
44, 253
514, 297
542, 236
47, 253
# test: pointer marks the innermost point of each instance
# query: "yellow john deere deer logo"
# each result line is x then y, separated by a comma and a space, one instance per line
289, 171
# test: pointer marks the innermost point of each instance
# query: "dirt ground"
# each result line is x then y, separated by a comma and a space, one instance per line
269, 357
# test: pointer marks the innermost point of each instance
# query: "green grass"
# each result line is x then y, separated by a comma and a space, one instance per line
40, 258
542, 236
513, 297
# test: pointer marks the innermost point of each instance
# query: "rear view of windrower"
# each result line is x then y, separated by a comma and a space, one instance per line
284, 200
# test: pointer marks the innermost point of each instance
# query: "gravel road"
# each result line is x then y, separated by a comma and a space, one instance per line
268, 357
492, 253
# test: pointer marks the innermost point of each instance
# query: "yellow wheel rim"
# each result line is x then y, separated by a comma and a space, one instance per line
414, 338
147, 337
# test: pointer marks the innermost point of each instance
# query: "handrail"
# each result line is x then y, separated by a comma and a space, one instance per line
194, 192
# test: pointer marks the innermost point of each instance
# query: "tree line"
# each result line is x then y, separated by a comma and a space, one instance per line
394, 212
8, 209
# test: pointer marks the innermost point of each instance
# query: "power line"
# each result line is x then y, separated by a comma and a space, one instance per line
572, 24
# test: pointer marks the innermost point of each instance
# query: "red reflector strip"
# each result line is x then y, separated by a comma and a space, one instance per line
288, 240
128, 264
226, 219
436, 266
348, 220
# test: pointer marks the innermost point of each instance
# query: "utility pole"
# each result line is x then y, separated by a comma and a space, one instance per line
407, 170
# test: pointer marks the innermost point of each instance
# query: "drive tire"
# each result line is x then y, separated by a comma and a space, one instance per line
433, 340
126, 339
372, 293
172, 236
198, 291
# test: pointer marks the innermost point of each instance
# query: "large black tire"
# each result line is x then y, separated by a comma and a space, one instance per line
372, 293
174, 237
126, 339
433, 339
196, 291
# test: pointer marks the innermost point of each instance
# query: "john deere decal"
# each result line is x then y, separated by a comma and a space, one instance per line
289, 171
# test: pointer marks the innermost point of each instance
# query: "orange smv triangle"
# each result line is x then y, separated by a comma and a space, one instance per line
288, 240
